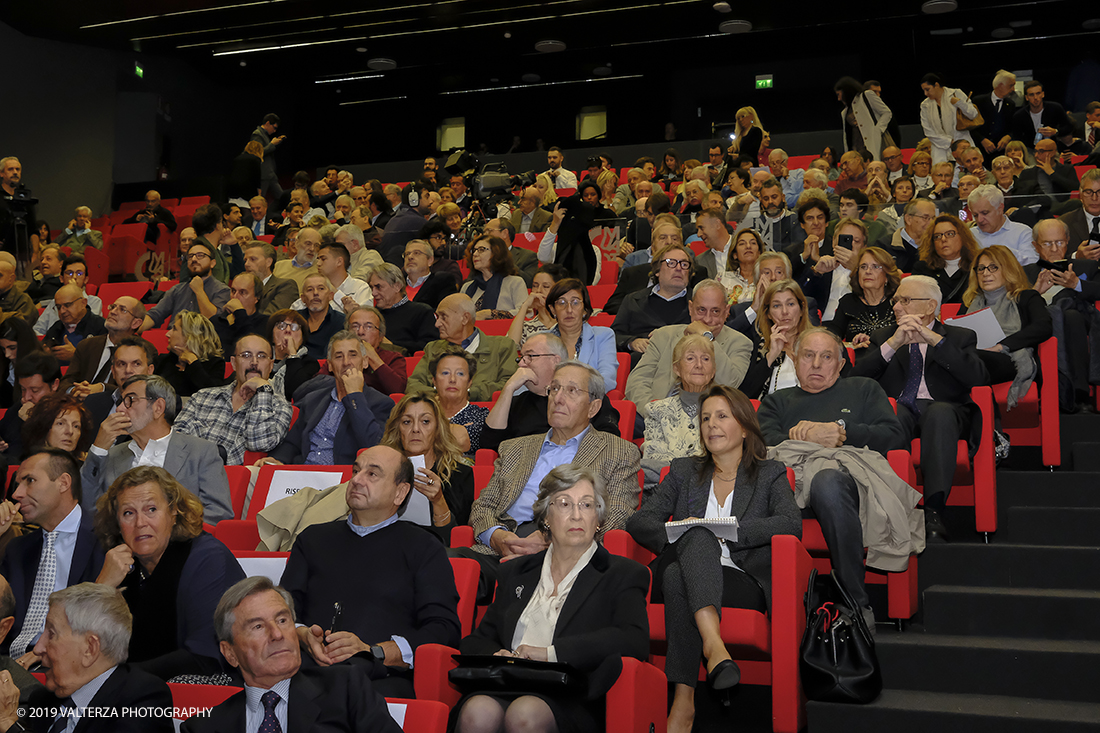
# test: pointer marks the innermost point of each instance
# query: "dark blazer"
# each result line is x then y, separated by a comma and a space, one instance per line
1090, 284
411, 326
404, 227
126, 689
1053, 115
764, 507
635, 278
85, 362
540, 220
359, 428
437, 287
89, 325
99, 406
1078, 225
20, 567
1035, 323
336, 699
279, 293
951, 367
243, 325
603, 620
996, 124
11, 432
1063, 181
248, 221
952, 287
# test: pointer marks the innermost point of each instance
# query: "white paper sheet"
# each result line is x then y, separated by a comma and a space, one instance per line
287, 483
419, 511
397, 712
983, 323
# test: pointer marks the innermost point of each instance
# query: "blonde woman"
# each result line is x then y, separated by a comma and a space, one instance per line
783, 318
750, 133
546, 188
194, 360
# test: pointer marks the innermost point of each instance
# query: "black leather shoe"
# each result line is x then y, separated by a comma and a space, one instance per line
724, 676
935, 531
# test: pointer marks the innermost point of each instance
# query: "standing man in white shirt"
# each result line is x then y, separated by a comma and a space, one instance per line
560, 177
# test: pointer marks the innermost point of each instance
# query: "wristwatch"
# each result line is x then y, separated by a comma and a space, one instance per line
378, 652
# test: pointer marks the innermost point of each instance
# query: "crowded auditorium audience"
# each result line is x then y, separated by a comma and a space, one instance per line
432, 383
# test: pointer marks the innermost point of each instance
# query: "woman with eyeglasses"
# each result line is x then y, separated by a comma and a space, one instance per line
194, 360
920, 170
998, 282
534, 315
784, 317
451, 372
698, 575
494, 283
867, 308
570, 305
947, 252
293, 366
573, 603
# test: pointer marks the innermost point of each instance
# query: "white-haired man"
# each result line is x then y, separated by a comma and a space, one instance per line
363, 260
791, 179
79, 234
987, 204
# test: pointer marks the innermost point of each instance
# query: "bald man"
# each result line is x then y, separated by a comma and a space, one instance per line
151, 215
530, 217
75, 322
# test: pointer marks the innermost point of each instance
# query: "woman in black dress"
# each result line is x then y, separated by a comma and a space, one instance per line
867, 308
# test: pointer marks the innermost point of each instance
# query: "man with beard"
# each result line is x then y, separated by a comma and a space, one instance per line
244, 415
201, 294
777, 225
323, 320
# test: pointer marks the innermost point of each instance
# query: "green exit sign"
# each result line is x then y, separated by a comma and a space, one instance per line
139, 70
764, 82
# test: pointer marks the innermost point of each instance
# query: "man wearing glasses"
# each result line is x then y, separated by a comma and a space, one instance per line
1050, 175
146, 413
936, 407
201, 294
74, 270
1084, 224
665, 303
895, 168
244, 415
90, 368
75, 323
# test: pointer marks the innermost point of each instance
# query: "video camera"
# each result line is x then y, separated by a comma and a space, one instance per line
489, 185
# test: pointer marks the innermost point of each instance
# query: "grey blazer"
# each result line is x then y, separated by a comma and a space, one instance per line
708, 261
764, 507
195, 462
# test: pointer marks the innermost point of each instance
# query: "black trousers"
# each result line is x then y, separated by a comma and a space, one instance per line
940, 426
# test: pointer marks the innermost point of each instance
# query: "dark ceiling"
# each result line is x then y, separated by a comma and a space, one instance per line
461, 45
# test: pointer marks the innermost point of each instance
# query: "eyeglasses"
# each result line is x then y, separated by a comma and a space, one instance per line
129, 399
365, 327
944, 235
288, 326
922, 217
565, 505
904, 300
870, 267
1058, 244
115, 308
1090, 193
75, 273
480, 250
529, 357
572, 303
987, 268
571, 391
197, 256
677, 264
66, 306
259, 356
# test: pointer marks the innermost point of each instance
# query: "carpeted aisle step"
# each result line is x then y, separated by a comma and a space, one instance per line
1012, 612
1052, 525
1005, 565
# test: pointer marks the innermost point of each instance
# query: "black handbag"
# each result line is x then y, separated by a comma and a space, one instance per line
489, 673
837, 661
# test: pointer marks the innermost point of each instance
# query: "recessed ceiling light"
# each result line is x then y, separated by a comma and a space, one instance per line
382, 64
722, 6
507, 34
934, 7
1019, 23
602, 71
735, 26
1091, 24
549, 46
530, 78
244, 63
362, 49
1002, 33
495, 80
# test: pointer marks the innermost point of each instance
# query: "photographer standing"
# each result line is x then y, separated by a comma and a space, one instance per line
11, 172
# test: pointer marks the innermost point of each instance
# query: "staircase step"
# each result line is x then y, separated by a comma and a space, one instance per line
904, 711
1043, 488
1012, 612
1038, 668
1085, 456
1007, 565
1047, 525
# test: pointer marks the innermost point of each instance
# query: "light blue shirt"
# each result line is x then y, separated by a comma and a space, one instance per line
550, 457
402, 642
82, 698
254, 709
1013, 235
64, 546
792, 186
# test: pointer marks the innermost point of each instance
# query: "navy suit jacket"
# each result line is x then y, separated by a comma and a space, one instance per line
322, 700
20, 567
365, 415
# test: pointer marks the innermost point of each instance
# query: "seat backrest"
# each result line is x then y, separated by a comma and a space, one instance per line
419, 716
197, 698
495, 327
158, 337
238, 534
110, 292
628, 411
482, 475
600, 294
279, 482
239, 478
266, 564
466, 571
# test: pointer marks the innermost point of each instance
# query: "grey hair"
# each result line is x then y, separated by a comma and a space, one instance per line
771, 256
999, 160
328, 233
225, 615
696, 183
345, 335
427, 248
354, 232
553, 343
157, 388
700, 173
1003, 76
635, 172
344, 199
912, 206
817, 176
816, 194
563, 478
369, 309
928, 288
779, 153
84, 208
1044, 222
94, 608
465, 304
708, 284
816, 330
990, 194
390, 273
597, 388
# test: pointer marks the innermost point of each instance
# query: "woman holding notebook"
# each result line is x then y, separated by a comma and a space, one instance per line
699, 574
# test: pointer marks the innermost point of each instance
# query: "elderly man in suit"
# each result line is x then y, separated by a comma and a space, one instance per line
23, 679
530, 216
89, 688
255, 626
47, 494
79, 234
146, 412
278, 293
502, 515
708, 308
1084, 224
338, 415
997, 109
496, 355
90, 368
1049, 175
936, 407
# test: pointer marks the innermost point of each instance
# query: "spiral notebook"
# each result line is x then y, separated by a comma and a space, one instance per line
724, 528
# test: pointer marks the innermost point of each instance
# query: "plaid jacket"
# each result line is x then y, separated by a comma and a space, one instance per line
258, 426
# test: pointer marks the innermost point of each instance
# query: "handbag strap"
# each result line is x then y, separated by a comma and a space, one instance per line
857, 612
874, 117
808, 598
